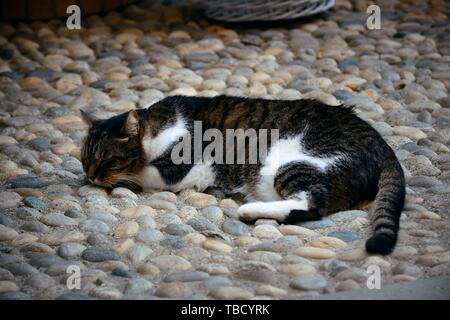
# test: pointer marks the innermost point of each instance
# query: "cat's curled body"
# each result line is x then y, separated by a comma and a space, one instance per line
326, 159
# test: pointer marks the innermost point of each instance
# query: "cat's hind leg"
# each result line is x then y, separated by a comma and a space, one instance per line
304, 189
307, 179
278, 210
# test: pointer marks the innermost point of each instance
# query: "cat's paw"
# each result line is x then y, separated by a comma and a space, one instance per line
251, 211
278, 210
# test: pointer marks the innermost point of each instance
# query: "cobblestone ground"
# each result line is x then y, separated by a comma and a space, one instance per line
189, 245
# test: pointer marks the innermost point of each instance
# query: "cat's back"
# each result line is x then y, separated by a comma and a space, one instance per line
229, 112
288, 116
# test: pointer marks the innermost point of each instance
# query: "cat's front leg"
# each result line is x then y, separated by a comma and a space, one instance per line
150, 179
215, 191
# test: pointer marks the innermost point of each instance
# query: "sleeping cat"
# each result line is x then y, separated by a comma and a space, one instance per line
326, 159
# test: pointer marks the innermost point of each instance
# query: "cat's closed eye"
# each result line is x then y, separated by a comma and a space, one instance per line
116, 158
110, 156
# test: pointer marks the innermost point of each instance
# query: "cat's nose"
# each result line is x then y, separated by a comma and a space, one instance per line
91, 172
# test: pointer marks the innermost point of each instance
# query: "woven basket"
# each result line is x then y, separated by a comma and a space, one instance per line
262, 10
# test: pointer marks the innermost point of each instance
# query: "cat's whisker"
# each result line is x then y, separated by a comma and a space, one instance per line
130, 178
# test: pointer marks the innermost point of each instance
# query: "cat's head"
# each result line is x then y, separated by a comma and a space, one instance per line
112, 152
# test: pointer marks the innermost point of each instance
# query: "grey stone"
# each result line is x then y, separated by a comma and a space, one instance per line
35, 226
399, 117
22, 121
364, 103
212, 213
309, 282
425, 116
138, 286
29, 214
407, 268
161, 204
178, 229
347, 236
186, 276
283, 244
73, 295
98, 255
43, 260
236, 228
146, 222
29, 182
9, 199
231, 213
348, 215
34, 202
423, 181
443, 122
175, 242
73, 213
20, 268
92, 225
354, 274
319, 224
39, 143
14, 295
69, 250
343, 95
7, 220
216, 281
150, 235
164, 195
202, 224
58, 219
9, 258
139, 253
333, 266
40, 281
57, 111
73, 165
104, 216
257, 273
121, 272
410, 147
97, 239
6, 275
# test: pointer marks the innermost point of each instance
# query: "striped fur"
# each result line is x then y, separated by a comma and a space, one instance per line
388, 207
326, 159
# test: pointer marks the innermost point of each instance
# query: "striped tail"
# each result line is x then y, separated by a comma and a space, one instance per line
388, 207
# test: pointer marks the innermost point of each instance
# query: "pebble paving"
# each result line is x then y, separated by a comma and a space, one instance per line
189, 245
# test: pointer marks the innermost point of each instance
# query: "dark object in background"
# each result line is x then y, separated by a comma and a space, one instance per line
262, 10
47, 9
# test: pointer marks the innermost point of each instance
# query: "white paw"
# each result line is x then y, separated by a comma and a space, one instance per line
250, 211
257, 210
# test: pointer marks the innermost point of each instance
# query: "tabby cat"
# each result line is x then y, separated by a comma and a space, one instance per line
327, 159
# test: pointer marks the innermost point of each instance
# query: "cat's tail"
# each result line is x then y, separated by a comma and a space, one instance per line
388, 208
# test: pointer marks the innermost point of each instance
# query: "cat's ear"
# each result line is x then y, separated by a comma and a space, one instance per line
131, 125
89, 118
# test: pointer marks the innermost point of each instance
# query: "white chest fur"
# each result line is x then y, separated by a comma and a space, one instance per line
155, 146
200, 177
